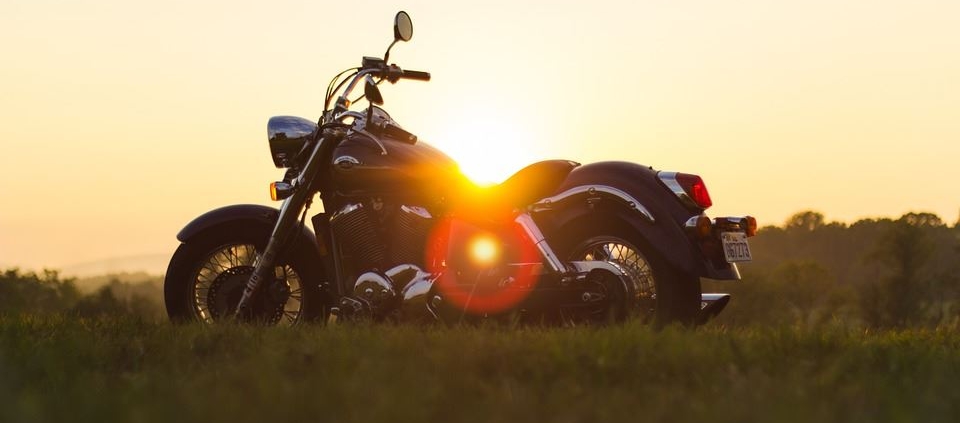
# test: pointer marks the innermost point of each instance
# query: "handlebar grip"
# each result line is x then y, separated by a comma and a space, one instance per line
417, 75
399, 133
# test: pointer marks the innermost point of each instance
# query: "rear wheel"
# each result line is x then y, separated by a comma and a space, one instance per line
663, 295
207, 276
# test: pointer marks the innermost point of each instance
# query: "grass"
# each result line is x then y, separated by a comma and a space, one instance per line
63, 369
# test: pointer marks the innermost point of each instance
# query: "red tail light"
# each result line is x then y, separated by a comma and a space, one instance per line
696, 189
689, 188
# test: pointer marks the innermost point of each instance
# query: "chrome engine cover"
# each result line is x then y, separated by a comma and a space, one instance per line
378, 291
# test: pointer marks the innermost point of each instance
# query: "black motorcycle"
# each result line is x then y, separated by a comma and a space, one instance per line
405, 237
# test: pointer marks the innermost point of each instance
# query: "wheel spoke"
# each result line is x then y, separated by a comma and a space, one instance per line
221, 276
625, 257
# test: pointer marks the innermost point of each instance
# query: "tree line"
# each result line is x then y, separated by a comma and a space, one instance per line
48, 292
880, 273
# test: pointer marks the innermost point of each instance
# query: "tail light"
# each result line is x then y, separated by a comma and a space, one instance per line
689, 188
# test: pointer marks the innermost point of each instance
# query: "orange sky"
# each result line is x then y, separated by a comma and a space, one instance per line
122, 120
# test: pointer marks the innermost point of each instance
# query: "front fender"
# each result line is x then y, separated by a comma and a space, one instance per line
642, 202
241, 215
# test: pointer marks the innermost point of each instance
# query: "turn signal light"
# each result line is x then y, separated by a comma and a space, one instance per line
704, 226
751, 223
700, 226
280, 190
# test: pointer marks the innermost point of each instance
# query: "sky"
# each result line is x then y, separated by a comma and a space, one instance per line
122, 120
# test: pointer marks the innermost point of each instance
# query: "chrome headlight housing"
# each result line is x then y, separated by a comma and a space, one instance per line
287, 135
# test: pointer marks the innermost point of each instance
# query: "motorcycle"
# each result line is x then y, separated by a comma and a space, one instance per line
404, 236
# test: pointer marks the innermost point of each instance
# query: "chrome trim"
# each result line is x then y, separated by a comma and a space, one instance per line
415, 296
353, 84
417, 210
670, 180
583, 268
377, 290
354, 114
735, 220
711, 305
533, 233
712, 297
592, 191
287, 136
346, 161
290, 126
347, 209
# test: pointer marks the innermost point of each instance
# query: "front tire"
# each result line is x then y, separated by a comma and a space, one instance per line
207, 274
665, 295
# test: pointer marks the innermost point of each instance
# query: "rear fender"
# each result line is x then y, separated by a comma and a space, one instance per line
242, 216
633, 194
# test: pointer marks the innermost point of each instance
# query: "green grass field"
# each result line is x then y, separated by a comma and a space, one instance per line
64, 369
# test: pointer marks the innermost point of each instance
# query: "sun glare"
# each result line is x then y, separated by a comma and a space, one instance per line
488, 147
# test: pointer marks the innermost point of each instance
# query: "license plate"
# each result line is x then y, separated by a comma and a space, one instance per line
735, 247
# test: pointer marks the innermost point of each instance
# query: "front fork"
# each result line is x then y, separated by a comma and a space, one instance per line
282, 231
286, 222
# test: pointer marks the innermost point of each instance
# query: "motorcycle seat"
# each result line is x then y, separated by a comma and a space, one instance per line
536, 181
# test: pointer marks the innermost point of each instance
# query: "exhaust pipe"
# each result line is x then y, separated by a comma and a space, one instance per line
711, 305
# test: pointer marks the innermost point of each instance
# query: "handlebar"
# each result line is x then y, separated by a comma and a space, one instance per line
393, 73
378, 68
416, 75
399, 133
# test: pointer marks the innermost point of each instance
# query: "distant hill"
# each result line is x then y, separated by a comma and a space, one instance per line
153, 264
142, 280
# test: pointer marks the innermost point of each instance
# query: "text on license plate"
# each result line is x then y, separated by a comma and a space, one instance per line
735, 247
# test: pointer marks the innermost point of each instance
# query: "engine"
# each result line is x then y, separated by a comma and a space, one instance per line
360, 238
411, 227
383, 248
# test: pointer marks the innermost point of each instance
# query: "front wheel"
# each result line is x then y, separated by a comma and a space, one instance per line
207, 275
663, 294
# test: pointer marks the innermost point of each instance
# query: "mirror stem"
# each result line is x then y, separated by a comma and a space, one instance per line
386, 56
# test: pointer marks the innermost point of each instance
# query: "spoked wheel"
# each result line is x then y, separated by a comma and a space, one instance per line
218, 286
660, 295
629, 260
207, 276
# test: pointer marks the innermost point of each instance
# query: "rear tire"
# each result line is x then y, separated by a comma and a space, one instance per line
207, 274
666, 295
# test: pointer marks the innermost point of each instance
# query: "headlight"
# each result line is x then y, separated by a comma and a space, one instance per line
287, 135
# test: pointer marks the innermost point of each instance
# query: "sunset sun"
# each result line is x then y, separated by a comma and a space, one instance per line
488, 146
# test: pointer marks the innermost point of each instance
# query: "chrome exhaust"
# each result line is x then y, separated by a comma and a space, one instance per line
711, 305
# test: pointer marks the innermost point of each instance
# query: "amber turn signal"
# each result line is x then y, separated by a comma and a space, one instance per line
704, 226
751, 223
280, 190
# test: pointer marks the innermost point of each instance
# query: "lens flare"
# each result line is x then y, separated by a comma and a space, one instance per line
484, 250
513, 270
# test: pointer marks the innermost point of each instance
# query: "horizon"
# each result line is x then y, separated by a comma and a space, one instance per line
114, 265
123, 121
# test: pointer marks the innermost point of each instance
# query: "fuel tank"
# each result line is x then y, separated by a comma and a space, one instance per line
362, 166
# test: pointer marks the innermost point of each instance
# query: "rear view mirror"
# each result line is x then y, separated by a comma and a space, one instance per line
402, 27
372, 92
